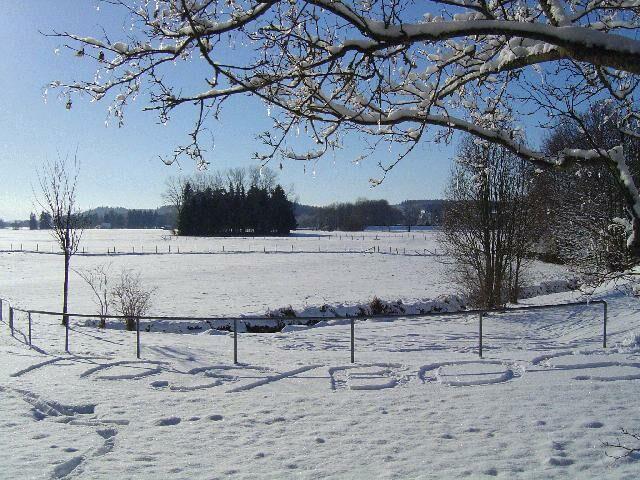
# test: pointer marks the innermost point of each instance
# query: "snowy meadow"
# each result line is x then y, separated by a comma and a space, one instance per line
418, 402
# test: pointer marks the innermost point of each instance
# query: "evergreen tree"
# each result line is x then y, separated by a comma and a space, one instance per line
213, 210
33, 222
46, 221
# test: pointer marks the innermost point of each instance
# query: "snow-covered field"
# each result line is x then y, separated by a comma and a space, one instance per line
242, 279
418, 402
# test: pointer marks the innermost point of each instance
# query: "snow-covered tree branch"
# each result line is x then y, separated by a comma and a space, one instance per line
398, 71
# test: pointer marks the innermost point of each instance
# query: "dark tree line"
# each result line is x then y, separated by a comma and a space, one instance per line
216, 210
121, 218
352, 217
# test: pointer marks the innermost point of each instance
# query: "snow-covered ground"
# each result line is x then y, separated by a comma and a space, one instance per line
418, 402
243, 279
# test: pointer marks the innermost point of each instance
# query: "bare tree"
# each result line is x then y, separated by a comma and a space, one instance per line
488, 226
389, 69
586, 220
131, 298
263, 177
98, 280
58, 181
172, 194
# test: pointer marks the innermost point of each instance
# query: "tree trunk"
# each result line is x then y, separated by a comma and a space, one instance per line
130, 324
65, 296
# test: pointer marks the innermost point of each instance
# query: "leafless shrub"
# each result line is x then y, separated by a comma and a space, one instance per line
98, 280
130, 297
377, 306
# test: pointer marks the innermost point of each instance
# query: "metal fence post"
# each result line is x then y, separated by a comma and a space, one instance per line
29, 317
137, 337
11, 319
480, 336
353, 343
66, 335
604, 330
235, 341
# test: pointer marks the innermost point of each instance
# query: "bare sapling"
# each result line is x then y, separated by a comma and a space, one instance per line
58, 182
98, 280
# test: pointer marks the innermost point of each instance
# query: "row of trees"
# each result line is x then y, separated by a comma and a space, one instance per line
129, 218
121, 218
212, 208
45, 222
355, 216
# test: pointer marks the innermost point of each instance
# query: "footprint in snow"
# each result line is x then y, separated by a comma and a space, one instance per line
560, 461
164, 422
593, 425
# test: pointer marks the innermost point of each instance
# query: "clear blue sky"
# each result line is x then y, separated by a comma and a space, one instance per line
120, 166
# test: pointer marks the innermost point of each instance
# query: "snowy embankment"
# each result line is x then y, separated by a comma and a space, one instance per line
289, 319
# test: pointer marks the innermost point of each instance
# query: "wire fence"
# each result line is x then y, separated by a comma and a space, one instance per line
7, 309
222, 250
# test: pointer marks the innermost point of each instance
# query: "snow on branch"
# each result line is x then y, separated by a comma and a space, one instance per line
384, 69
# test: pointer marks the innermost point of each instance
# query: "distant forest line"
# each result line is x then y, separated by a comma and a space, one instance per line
346, 216
242, 201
